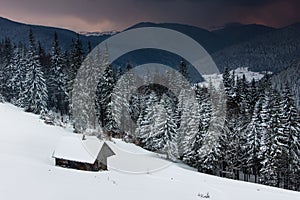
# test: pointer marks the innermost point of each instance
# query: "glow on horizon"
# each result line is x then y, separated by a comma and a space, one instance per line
70, 23
108, 15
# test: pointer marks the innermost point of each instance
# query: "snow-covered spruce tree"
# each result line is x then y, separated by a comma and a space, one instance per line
42, 54
253, 145
227, 80
57, 81
270, 173
84, 116
231, 90
14, 69
245, 101
76, 59
233, 138
243, 119
18, 65
266, 135
210, 151
103, 100
183, 69
238, 90
192, 128
234, 155
229, 83
171, 130
34, 95
157, 120
245, 116
121, 98
147, 128
290, 139
157, 130
239, 113
6, 57
165, 129
252, 96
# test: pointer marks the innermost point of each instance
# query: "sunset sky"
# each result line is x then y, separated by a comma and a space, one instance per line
106, 15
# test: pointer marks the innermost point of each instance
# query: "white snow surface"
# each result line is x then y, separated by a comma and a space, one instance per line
216, 79
28, 171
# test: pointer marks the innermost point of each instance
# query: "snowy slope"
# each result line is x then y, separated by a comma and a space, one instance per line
216, 79
28, 171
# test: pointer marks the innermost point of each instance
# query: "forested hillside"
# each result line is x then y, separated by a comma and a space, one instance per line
259, 141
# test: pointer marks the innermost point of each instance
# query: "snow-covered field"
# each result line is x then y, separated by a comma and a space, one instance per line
216, 79
28, 171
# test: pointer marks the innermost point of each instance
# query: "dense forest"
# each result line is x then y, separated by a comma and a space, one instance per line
260, 141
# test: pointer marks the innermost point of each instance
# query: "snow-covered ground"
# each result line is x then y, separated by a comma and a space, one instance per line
28, 171
216, 79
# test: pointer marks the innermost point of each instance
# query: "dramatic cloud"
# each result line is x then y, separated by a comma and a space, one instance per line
102, 15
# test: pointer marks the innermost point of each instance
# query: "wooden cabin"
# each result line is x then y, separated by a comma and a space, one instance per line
82, 152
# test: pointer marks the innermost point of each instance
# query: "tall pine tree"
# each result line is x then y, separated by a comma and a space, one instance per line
34, 95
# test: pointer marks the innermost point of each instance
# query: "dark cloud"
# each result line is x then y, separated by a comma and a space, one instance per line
93, 15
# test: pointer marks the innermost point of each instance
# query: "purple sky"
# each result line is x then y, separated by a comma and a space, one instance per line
105, 15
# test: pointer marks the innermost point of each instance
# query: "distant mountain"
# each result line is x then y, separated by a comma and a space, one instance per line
235, 33
210, 41
273, 51
216, 40
18, 32
256, 47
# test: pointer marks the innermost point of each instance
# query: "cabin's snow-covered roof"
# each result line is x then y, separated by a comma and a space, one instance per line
74, 148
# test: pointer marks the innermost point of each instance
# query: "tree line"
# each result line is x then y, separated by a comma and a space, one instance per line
260, 141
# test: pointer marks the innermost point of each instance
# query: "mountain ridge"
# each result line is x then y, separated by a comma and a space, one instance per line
18, 32
254, 46
211, 40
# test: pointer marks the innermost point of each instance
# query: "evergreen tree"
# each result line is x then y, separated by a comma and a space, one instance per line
271, 164
252, 96
121, 105
183, 69
12, 68
146, 122
253, 147
34, 95
44, 58
5, 71
165, 130
227, 81
89, 45
290, 139
189, 134
76, 59
210, 151
18, 66
104, 92
57, 82
209, 154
